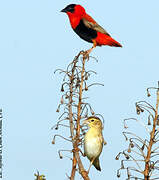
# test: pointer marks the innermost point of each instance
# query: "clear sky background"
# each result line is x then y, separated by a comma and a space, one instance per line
35, 39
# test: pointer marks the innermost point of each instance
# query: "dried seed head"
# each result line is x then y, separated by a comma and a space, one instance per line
117, 157
141, 110
122, 165
92, 112
125, 126
131, 145
128, 173
126, 138
149, 121
126, 156
118, 174
78, 80
142, 148
57, 110
129, 150
62, 100
138, 110
148, 94
62, 88
53, 141
86, 88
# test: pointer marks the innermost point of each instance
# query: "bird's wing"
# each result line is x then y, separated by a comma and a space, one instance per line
91, 23
101, 139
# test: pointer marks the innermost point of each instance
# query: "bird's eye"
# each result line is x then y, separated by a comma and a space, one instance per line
92, 120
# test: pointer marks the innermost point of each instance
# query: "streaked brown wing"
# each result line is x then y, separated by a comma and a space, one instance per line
101, 139
94, 26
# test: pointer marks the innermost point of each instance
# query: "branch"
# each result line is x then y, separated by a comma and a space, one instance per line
151, 142
82, 171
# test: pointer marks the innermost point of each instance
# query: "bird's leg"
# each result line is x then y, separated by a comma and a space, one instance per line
90, 50
94, 45
90, 165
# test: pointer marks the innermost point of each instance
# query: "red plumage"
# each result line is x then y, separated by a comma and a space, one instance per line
103, 39
87, 28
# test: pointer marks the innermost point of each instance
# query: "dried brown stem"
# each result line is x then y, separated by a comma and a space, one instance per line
80, 98
151, 142
80, 165
76, 140
74, 162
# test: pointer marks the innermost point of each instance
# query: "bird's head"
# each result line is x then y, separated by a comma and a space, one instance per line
74, 9
93, 121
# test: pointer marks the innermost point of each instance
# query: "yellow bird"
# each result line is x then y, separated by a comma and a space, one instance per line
93, 141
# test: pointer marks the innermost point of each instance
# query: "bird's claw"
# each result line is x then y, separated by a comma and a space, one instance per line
86, 54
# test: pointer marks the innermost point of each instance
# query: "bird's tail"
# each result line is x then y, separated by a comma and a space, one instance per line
104, 39
96, 164
111, 42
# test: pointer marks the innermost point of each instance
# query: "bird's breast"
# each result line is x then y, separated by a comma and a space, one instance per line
92, 144
74, 20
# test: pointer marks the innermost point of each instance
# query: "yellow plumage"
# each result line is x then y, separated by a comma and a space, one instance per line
93, 141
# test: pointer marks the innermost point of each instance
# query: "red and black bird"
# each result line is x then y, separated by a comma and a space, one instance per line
87, 28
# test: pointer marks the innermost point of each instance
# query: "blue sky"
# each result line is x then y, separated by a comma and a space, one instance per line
35, 39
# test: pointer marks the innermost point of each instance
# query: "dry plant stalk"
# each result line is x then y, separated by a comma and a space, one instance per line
140, 159
75, 109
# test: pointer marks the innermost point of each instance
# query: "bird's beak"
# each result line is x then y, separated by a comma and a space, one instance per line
85, 122
64, 10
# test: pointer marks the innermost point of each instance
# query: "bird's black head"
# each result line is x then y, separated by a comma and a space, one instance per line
69, 8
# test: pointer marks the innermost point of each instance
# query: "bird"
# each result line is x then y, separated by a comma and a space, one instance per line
93, 141
87, 28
